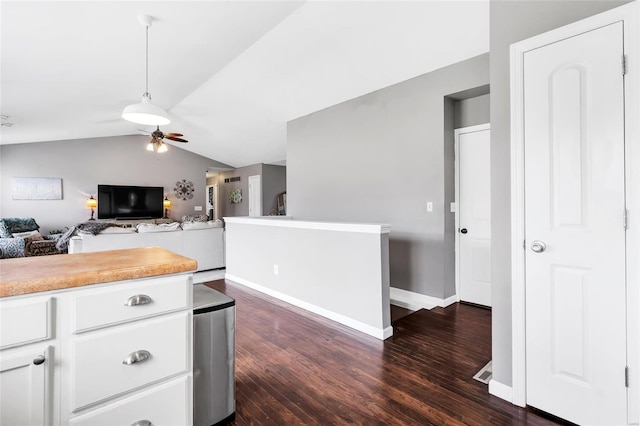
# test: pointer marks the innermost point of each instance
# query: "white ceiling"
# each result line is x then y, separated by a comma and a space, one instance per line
230, 73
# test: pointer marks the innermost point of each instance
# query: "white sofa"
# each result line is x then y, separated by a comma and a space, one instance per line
205, 245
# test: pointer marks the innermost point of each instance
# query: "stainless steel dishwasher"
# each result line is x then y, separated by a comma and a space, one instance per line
214, 316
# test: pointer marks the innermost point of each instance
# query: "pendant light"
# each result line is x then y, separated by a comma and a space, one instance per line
145, 112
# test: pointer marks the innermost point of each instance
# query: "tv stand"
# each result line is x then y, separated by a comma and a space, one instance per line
131, 223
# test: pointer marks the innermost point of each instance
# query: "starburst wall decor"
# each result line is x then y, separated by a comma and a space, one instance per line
184, 189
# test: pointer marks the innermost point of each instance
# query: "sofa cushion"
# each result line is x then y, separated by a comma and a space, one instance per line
160, 227
11, 225
11, 247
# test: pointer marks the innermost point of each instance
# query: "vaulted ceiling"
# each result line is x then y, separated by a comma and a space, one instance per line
230, 73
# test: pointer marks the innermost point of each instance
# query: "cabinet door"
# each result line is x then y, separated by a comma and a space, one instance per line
24, 386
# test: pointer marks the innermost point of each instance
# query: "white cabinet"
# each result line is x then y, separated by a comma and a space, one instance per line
124, 358
147, 406
109, 305
128, 353
26, 360
104, 354
25, 386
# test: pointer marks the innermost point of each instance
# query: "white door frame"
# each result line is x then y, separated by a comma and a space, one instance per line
457, 133
629, 14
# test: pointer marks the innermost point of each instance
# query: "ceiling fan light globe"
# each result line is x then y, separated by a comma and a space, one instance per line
150, 146
146, 113
162, 148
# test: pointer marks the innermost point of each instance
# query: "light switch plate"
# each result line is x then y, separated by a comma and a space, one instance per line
453, 207
429, 206
197, 208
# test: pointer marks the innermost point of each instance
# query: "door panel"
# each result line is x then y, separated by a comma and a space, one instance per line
474, 174
255, 195
575, 204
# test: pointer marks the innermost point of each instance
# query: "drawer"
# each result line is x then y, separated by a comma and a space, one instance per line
25, 321
109, 305
97, 368
165, 404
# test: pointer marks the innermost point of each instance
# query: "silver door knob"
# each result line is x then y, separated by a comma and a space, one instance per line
142, 423
538, 246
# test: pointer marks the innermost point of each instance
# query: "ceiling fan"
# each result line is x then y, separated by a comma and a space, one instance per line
157, 144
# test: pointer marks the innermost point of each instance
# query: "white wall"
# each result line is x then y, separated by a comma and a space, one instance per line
83, 164
336, 270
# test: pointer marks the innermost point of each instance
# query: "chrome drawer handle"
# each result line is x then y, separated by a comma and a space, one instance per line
142, 423
138, 299
137, 356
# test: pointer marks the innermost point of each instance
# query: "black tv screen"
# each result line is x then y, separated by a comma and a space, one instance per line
130, 202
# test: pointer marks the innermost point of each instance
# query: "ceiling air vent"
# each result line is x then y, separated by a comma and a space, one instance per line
232, 179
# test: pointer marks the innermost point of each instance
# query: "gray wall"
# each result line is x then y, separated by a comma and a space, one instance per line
380, 158
224, 189
273, 181
83, 164
512, 21
472, 111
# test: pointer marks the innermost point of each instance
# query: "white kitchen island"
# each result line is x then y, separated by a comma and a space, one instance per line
337, 270
96, 339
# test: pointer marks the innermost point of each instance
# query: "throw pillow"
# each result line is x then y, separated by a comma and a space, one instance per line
34, 235
11, 247
161, 227
11, 225
118, 230
201, 225
195, 218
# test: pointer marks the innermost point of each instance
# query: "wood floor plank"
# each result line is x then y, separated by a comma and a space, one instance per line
296, 368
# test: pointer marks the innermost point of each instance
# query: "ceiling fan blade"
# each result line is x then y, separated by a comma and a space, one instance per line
173, 134
175, 139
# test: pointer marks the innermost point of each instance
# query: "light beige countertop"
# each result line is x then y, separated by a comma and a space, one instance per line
27, 275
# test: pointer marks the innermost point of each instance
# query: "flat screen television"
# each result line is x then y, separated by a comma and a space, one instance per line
130, 202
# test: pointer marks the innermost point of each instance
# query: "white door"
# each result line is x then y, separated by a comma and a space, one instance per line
24, 387
575, 232
255, 195
473, 162
212, 201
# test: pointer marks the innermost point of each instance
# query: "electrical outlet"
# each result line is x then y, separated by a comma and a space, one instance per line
197, 208
275, 270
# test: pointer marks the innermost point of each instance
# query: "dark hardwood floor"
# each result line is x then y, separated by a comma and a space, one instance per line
296, 368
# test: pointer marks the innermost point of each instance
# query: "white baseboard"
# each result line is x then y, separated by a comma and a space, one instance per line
379, 333
500, 390
414, 301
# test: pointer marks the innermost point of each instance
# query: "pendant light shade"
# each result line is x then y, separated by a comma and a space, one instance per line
145, 112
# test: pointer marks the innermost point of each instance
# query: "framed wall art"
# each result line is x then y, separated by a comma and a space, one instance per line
36, 188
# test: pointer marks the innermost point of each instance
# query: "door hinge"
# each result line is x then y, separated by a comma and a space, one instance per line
624, 64
625, 218
626, 377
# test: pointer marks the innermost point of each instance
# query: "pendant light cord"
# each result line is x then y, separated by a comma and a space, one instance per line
147, 63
